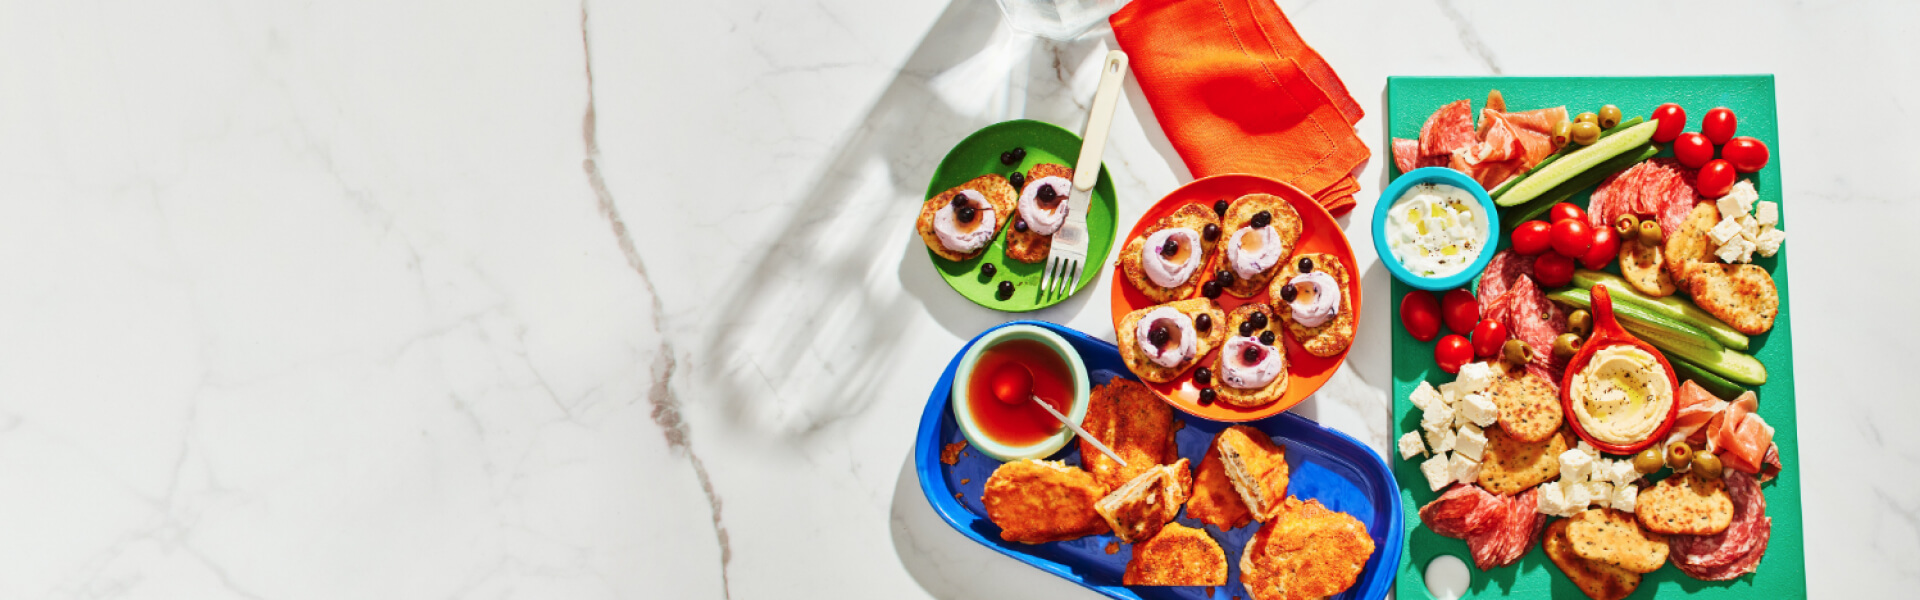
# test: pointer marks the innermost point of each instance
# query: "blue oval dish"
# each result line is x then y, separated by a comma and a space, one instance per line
1326, 465
1399, 187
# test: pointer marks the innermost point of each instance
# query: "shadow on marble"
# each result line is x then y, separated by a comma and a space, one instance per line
949, 565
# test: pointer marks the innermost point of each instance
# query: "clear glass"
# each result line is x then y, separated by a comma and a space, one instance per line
1060, 20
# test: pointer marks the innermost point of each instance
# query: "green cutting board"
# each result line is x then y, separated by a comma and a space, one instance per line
1782, 573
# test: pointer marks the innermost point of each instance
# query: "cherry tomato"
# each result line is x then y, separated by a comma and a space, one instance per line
1716, 179
1719, 125
1606, 244
1692, 149
1672, 121
1460, 310
1572, 237
1553, 270
1488, 337
1747, 154
1563, 211
1420, 313
1452, 352
1532, 237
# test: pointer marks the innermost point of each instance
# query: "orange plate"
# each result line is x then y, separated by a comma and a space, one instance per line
1306, 371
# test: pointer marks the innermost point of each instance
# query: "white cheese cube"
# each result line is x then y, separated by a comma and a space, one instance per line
1481, 409
1436, 471
1737, 250
1470, 441
1576, 467
1769, 242
1726, 230
1625, 498
1767, 212
1424, 397
1578, 494
1749, 228
1439, 417
1621, 472
1410, 445
1463, 469
1599, 492
1460, 416
1440, 442
1583, 446
1553, 500
1454, 391
1738, 201
1475, 377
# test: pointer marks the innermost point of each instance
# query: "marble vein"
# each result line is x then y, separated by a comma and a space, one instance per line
1469, 36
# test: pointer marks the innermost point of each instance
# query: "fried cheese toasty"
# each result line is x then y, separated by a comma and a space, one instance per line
1214, 500
1329, 338
1179, 555
1138, 510
1251, 397
1191, 216
1027, 246
1137, 360
1308, 552
1132, 421
1257, 468
1286, 224
997, 191
1036, 501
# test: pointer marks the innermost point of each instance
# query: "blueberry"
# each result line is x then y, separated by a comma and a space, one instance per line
1203, 323
1006, 290
1210, 289
1306, 265
1158, 334
1046, 193
1266, 337
1262, 219
1019, 154
988, 270
1224, 276
1258, 320
1203, 376
1018, 180
1247, 328
1287, 292
1250, 355
965, 214
1006, 158
1211, 232
1020, 224
1220, 208
1207, 395
1170, 248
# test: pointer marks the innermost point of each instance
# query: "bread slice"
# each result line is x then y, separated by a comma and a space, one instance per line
1262, 396
1191, 216
1027, 246
1332, 337
1286, 223
1205, 341
995, 188
1257, 467
1137, 510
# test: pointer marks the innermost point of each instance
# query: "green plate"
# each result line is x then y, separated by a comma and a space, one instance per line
978, 155
1782, 573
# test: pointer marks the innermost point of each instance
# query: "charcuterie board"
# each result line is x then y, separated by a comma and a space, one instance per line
1781, 572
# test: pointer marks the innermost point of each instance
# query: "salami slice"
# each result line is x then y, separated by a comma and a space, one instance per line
1448, 129
1499, 274
1735, 551
1660, 189
1518, 529
1530, 317
1462, 511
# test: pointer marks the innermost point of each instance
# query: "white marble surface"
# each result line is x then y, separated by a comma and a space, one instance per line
620, 300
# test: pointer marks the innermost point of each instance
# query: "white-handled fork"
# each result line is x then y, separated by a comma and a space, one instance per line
1068, 256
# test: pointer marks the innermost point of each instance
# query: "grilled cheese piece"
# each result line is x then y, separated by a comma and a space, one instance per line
1140, 508
1257, 468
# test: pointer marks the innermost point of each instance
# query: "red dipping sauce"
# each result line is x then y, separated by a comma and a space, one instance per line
1023, 423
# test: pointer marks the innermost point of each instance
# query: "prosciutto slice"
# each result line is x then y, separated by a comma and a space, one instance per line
1698, 407
1503, 144
1741, 438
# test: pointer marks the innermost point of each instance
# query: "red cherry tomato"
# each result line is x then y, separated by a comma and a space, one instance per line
1553, 270
1719, 125
1572, 237
1672, 121
1452, 352
1488, 336
1420, 313
1692, 149
1716, 179
1747, 154
1532, 237
1460, 310
1606, 244
1563, 211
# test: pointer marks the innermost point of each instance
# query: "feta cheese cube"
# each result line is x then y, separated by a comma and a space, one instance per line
1583, 446
1411, 446
1481, 410
1621, 472
1578, 494
1425, 397
1749, 228
1769, 242
1437, 418
1470, 441
1463, 469
1553, 500
1475, 377
1436, 471
1454, 391
1576, 467
1600, 492
1767, 212
1625, 498
1737, 250
1460, 416
1440, 442
1726, 230
1738, 201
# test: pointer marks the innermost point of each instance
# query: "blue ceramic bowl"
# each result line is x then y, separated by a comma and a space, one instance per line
1384, 207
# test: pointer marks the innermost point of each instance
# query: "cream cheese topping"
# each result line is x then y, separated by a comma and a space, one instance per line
1316, 298
1045, 221
1171, 272
1250, 257
1244, 375
1181, 343
965, 237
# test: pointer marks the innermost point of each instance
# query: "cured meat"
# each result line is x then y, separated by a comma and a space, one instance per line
1740, 437
1534, 129
1530, 317
1407, 156
1499, 275
1448, 129
1660, 188
1504, 542
1698, 407
1735, 551
1462, 511
1500, 147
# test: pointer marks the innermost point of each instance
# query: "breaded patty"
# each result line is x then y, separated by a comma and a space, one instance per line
1035, 501
1135, 423
1329, 338
1027, 246
1179, 555
1286, 223
1191, 216
1308, 552
997, 191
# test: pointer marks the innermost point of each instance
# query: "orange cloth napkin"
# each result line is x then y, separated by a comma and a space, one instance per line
1237, 91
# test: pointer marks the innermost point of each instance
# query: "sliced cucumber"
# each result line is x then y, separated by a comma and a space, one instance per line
1583, 181
1671, 306
1578, 162
1565, 149
1714, 384
1675, 337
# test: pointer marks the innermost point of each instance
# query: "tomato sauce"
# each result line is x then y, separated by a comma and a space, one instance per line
1019, 424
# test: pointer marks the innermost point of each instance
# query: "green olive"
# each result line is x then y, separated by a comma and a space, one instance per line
1679, 454
1609, 116
1587, 118
1517, 352
1562, 133
1649, 461
1707, 465
1585, 133
1580, 322
1627, 226
1649, 233
1567, 345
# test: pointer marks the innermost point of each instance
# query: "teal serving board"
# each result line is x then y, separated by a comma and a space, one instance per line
1782, 573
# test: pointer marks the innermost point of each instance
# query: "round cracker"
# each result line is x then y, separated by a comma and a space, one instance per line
1688, 504
1529, 406
1510, 466
1644, 268
1615, 538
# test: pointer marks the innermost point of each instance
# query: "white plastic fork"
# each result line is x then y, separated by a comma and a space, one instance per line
1068, 257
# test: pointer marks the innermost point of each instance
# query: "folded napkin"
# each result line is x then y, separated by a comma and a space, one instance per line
1237, 91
